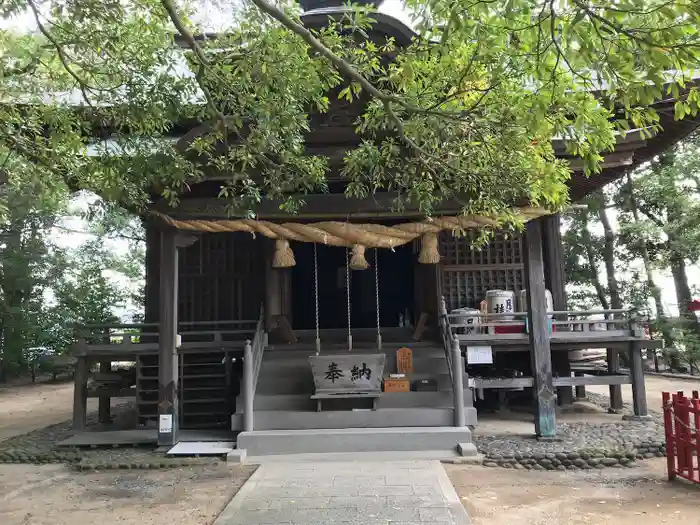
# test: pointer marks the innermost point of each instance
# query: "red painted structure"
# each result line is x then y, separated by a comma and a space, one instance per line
682, 423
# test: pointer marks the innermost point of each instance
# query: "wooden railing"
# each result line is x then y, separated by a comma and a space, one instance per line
142, 338
252, 362
455, 364
565, 325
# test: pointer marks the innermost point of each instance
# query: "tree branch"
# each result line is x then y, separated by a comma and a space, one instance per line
590, 11
199, 52
652, 216
344, 67
84, 87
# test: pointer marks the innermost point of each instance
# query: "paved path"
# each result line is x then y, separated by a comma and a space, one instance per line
348, 493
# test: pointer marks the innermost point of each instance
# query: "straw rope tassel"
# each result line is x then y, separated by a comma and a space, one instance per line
284, 256
358, 260
429, 253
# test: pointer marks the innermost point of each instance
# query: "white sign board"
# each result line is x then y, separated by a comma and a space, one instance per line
165, 424
479, 355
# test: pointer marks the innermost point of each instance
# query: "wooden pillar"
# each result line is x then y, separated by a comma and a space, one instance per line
540, 351
104, 401
152, 267
273, 291
581, 389
555, 282
82, 369
168, 424
639, 394
615, 390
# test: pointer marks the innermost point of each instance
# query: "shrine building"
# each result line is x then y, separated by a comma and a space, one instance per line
350, 327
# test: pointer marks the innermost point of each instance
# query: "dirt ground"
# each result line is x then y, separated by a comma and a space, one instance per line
638, 496
30, 407
56, 495
655, 385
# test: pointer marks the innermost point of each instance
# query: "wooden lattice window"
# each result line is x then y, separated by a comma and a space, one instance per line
468, 273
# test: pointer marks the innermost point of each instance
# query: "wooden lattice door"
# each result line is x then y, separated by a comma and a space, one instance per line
221, 278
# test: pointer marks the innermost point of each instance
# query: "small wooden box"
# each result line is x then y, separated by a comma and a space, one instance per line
397, 384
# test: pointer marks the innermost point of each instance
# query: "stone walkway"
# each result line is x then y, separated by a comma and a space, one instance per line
348, 493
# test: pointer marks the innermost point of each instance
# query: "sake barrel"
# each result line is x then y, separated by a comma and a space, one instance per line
522, 304
501, 302
464, 317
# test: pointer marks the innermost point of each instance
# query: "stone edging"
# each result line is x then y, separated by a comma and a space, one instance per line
575, 460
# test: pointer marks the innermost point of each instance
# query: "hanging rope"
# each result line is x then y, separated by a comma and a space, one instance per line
358, 236
318, 335
376, 294
347, 293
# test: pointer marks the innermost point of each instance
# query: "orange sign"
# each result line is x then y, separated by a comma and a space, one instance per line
404, 361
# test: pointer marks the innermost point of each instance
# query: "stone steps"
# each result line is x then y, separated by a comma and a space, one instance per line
356, 440
442, 399
339, 419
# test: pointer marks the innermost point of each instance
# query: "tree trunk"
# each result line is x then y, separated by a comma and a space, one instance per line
613, 357
683, 294
590, 256
654, 290
609, 260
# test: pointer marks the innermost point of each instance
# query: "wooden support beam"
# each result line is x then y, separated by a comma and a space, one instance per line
82, 368
168, 424
613, 359
639, 394
580, 389
538, 328
104, 415
555, 282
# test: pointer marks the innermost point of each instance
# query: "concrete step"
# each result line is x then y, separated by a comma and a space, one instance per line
336, 419
387, 400
303, 383
347, 440
294, 365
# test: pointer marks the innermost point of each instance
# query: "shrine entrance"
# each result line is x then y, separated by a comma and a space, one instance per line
396, 288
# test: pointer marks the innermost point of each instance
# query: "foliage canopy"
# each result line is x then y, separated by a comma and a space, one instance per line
467, 111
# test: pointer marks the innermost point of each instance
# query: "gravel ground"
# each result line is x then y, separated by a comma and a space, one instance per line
579, 445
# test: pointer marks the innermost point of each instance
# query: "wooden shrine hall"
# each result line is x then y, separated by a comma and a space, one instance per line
372, 329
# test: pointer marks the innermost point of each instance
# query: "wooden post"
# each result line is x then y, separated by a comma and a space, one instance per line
581, 389
458, 383
248, 403
555, 281
103, 403
615, 390
82, 368
273, 290
639, 394
540, 351
168, 424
